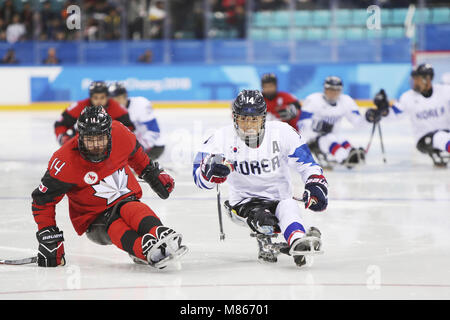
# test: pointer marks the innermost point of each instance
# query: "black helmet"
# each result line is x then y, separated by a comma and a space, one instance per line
333, 83
116, 89
423, 70
98, 87
250, 103
94, 121
269, 78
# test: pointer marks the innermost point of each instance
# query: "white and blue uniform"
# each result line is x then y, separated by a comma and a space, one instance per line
427, 114
143, 117
263, 172
316, 111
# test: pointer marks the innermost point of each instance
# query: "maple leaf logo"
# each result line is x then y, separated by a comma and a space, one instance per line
112, 187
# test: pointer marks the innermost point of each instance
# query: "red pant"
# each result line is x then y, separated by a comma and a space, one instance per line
136, 219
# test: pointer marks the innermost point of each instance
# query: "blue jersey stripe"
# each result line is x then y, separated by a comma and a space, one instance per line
152, 125
396, 110
303, 154
305, 115
197, 160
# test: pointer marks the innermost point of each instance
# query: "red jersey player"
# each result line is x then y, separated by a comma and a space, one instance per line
93, 170
98, 96
281, 105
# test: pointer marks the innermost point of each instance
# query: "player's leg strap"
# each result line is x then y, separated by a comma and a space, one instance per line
98, 229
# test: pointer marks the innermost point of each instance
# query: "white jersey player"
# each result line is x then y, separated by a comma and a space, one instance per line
143, 117
255, 157
428, 108
321, 113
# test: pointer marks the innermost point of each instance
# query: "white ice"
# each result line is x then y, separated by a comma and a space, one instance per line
386, 232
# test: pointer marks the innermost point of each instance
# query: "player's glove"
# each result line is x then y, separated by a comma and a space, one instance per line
159, 180
51, 247
323, 127
373, 115
215, 168
63, 138
288, 113
315, 196
382, 102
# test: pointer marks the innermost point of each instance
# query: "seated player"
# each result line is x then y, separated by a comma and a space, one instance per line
321, 112
428, 108
93, 170
143, 117
280, 105
98, 96
254, 156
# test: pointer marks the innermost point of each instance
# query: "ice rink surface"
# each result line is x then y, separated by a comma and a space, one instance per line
386, 232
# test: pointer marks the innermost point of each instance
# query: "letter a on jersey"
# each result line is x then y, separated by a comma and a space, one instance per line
112, 187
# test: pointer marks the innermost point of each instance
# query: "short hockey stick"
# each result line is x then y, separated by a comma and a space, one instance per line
219, 211
371, 137
381, 143
19, 261
313, 202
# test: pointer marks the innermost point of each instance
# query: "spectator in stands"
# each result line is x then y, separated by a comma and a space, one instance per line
240, 21
51, 57
10, 57
157, 14
136, 11
112, 25
2, 30
57, 29
100, 9
46, 20
146, 57
27, 18
235, 15
7, 12
91, 30
16, 30
199, 22
216, 6
230, 9
184, 14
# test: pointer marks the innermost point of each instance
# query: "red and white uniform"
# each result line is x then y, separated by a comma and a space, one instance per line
91, 187
70, 115
281, 102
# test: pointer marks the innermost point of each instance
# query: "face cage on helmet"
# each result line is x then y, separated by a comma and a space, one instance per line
94, 157
332, 88
252, 141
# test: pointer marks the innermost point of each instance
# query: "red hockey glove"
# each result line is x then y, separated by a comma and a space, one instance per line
160, 181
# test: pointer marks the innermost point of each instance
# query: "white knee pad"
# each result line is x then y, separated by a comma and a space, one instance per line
440, 140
